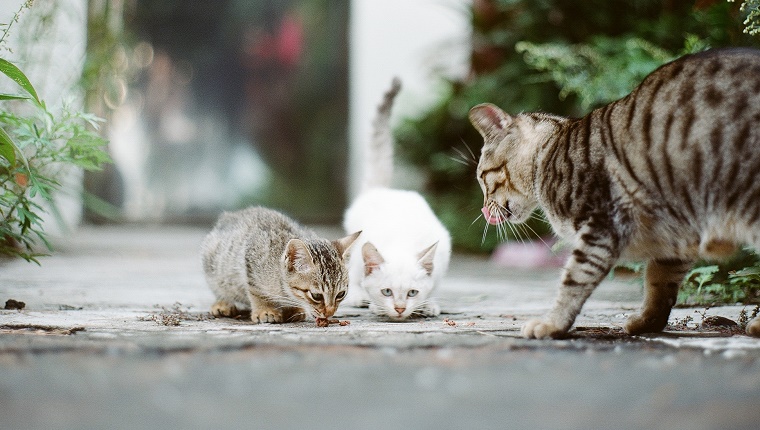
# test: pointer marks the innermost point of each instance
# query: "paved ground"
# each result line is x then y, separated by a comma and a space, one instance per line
97, 347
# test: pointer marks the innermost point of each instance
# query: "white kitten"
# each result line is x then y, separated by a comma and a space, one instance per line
405, 249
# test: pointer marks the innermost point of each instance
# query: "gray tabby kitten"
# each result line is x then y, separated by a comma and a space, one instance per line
266, 262
667, 174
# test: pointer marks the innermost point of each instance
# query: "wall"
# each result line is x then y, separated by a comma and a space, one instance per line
414, 40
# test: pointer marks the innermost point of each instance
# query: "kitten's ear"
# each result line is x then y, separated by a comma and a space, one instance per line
372, 258
489, 120
343, 245
426, 258
297, 257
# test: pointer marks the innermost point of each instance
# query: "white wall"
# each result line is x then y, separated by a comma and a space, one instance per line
52, 60
415, 40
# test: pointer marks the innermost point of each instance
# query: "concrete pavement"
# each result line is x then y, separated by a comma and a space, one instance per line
115, 334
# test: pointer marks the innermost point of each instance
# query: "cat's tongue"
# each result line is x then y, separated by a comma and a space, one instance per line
493, 220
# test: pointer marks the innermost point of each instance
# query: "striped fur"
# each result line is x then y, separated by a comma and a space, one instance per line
261, 260
668, 174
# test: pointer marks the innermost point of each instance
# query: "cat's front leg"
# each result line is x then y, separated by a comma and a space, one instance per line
223, 308
263, 311
429, 309
662, 279
593, 256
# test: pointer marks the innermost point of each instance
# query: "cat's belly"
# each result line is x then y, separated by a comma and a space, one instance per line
718, 241
646, 248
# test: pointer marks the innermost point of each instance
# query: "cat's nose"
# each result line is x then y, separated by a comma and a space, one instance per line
400, 310
329, 311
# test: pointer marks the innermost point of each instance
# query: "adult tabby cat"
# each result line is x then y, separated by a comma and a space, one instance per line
667, 174
264, 261
405, 249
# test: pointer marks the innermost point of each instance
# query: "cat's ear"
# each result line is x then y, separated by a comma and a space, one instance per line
372, 258
297, 257
489, 120
426, 258
343, 245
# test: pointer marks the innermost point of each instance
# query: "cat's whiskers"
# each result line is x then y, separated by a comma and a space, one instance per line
420, 305
476, 219
485, 232
539, 238
502, 211
463, 158
459, 160
472, 154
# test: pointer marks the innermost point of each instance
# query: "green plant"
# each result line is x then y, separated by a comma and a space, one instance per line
752, 22
717, 284
745, 317
600, 71
37, 147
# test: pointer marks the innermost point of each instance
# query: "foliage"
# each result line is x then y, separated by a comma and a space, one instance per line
752, 22
713, 284
36, 147
585, 69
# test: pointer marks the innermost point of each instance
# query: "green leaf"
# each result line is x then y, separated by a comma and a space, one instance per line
18, 76
747, 271
13, 97
7, 147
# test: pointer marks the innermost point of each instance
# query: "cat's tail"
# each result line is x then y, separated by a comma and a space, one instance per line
378, 168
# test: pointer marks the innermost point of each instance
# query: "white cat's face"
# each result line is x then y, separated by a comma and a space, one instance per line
397, 292
397, 300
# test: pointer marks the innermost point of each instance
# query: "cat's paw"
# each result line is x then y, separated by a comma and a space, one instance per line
224, 309
638, 324
271, 316
753, 328
538, 329
430, 309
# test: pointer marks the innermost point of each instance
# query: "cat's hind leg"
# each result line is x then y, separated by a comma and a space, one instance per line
661, 282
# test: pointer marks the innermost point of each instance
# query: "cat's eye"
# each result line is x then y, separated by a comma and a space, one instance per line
412, 293
317, 297
386, 292
340, 295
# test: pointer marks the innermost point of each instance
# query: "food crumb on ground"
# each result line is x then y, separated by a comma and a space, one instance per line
14, 304
324, 322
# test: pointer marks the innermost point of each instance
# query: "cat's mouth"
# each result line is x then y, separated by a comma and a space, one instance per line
493, 219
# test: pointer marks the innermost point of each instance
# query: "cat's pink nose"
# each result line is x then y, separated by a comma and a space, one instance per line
493, 220
400, 310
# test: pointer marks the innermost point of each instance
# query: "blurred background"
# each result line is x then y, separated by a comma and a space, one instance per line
208, 106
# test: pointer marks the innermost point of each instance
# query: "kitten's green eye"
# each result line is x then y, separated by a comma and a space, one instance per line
412, 293
317, 297
340, 295
386, 292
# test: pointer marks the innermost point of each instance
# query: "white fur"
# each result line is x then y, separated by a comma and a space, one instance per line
401, 225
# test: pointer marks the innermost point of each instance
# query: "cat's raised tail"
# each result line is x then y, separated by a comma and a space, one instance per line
378, 168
